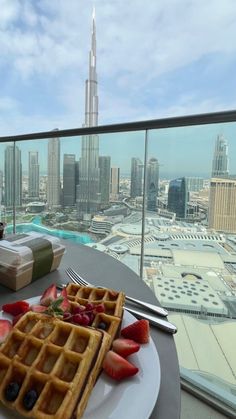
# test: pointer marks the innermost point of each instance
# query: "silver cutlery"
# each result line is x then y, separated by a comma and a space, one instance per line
75, 277
162, 324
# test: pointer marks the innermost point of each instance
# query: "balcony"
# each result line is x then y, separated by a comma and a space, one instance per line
157, 204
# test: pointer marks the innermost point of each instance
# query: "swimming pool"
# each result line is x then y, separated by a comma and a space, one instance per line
81, 238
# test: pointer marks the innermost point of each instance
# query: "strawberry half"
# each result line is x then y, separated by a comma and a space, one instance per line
49, 295
65, 305
117, 367
138, 331
16, 308
37, 308
5, 328
125, 347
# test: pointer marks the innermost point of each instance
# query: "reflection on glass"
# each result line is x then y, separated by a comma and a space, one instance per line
190, 245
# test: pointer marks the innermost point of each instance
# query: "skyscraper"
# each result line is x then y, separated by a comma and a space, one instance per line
136, 177
1, 187
222, 204
88, 199
220, 161
13, 176
115, 183
105, 172
33, 175
178, 197
152, 183
54, 184
69, 180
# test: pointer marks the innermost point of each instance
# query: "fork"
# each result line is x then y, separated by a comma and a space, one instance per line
75, 277
160, 323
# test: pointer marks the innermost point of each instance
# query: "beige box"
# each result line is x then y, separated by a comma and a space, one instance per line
27, 257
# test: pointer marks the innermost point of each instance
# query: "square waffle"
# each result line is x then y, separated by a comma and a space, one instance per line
113, 302
60, 361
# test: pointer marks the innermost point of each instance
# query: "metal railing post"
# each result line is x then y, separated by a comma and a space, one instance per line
144, 203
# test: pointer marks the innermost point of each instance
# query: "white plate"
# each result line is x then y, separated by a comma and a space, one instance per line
131, 398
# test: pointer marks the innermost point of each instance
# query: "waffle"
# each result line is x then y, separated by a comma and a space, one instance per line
60, 361
113, 302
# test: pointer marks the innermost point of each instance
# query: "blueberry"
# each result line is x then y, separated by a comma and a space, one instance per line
102, 325
12, 391
30, 399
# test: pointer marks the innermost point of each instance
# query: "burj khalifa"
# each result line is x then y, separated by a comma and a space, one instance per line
88, 196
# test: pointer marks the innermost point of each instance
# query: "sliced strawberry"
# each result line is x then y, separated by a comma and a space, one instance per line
49, 295
16, 308
37, 308
65, 305
138, 331
117, 367
5, 328
125, 347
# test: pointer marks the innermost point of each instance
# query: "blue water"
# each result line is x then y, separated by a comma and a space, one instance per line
62, 234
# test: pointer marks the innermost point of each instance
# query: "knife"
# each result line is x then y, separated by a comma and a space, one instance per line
160, 323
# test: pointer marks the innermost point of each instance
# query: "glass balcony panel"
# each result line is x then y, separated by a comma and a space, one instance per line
78, 188
190, 246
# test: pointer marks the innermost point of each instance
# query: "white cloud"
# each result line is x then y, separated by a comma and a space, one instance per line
137, 44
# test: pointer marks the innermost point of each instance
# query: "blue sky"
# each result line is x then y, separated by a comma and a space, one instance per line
161, 59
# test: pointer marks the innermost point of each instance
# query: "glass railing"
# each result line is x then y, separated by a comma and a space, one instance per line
160, 196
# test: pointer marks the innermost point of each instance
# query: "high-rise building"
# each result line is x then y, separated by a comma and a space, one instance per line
105, 172
54, 184
88, 200
220, 163
69, 180
136, 177
152, 183
194, 184
13, 176
222, 204
178, 197
1, 187
115, 183
33, 175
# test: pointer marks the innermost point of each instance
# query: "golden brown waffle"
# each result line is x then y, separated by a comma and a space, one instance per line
113, 302
60, 361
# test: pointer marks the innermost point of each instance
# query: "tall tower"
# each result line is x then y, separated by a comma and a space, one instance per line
105, 172
152, 183
136, 177
33, 175
69, 180
13, 176
54, 184
220, 161
115, 183
88, 199
178, 197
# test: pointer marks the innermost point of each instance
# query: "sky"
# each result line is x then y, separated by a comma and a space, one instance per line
156, 59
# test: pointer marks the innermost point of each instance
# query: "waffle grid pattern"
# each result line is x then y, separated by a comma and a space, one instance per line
113, 302
56, 359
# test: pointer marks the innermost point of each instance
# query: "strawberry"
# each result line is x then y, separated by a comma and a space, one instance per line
49, 295
16, 308
65, 305
125, 347
138, 331
117, 367
37, 308
5, 328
